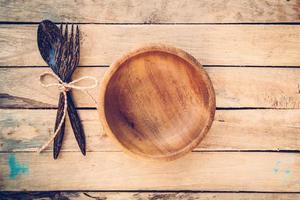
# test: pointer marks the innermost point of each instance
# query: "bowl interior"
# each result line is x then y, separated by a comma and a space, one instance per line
158, 105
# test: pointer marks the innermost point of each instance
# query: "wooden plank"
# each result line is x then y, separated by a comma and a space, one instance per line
160, 11
180, 196
211, 171
234, 87
146, 196
276, 45
27, 130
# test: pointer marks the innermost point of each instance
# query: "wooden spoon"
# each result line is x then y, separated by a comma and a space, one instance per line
50, 39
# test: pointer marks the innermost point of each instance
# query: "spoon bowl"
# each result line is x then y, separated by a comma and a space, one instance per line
49, 40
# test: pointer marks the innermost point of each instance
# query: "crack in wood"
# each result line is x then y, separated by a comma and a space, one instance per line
10, 101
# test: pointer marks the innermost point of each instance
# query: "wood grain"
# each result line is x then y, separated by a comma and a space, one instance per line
234, 87
26, 130
273, 45
116, 171
145, 196
105, 167
159, 11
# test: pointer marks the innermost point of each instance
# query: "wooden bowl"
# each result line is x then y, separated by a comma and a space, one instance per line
157, 102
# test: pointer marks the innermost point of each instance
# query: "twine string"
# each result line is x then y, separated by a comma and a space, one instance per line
63, 87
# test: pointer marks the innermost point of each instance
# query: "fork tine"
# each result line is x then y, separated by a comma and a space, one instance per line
61, 28
71, 51
66, 32
60, 52
77, 45
65, 53
71, 45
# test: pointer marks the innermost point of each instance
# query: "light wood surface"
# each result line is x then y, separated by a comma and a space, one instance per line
148, 195
140, 97
216, 171
250, 49
258, 45
235, 87
24, 130
159, 11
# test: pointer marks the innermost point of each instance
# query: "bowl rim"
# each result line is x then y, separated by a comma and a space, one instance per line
171, 50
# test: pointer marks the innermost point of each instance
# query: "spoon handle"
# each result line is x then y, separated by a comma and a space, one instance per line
60, 136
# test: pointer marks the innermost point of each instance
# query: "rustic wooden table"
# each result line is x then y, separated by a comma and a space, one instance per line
250, 49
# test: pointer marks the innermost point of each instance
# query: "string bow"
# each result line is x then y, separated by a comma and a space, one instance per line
63, 87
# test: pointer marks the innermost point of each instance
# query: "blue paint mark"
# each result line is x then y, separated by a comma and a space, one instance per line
275, 170
15, 167
278, 162
287, 173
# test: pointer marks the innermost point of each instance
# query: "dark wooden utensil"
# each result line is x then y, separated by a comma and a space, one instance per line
62, 55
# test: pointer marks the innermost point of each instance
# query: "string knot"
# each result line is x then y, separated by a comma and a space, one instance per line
64, 87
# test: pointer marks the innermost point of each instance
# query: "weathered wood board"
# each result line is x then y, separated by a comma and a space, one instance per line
234, 87
114, 170
158, 11
26, 130
251, 52
270, 45
147, 195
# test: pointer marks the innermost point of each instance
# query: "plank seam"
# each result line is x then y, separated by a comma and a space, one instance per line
194, 151
167, 191
94, 108
205, 66
158, 23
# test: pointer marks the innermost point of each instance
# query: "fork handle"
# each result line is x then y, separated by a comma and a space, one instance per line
76, 123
